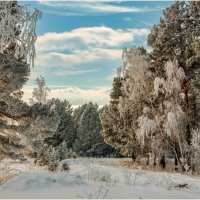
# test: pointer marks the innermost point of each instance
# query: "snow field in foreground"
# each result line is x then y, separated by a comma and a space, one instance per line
96, 178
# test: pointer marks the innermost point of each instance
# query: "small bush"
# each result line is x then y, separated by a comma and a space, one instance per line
65, 167
70, 154
53, 166
98, 175
52, 155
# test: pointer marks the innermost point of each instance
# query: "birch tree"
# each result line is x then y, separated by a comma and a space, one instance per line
167, 125
40, 93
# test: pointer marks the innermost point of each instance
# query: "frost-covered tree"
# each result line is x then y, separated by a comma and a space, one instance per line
136, 93
176, 38
40, 93
18, 31
166, 125
17, 51
65, 131
52, 140
65, 151
131, 91
157, 103
24, 129
45, 122
58, 136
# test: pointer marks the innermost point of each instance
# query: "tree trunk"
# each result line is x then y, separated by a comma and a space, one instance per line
186, 109
154, 160
162, 162
147, 160
176, 163
133, 157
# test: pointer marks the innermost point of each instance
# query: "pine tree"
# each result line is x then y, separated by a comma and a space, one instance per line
65, 152
77, 113
130, 93
112, 122
89, 141
65, 131
17, 52
44, 122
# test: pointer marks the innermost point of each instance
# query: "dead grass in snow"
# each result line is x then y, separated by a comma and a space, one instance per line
6, 175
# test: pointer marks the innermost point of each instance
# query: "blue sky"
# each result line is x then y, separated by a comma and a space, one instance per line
79, 44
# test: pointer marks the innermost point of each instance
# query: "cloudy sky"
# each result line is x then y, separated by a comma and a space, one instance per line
79, 44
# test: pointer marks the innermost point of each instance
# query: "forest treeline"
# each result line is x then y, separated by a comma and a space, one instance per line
47, 130
154, 103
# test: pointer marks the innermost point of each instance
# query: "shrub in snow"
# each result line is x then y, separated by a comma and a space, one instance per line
65, 166
49, 156
96, 174
47, 160
64, 152
53, 166
129, 177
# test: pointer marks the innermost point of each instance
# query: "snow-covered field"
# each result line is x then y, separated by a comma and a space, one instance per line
95, 178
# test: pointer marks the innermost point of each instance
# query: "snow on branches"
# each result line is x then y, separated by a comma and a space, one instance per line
174, 77
17, 31
40, 93
147, 127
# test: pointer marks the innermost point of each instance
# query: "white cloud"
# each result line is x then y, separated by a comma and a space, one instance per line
84, 45
93, 8
88, 36
55, 59
76, 57
75, 95
64, 72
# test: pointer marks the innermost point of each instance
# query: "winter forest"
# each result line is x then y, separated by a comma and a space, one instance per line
147, 136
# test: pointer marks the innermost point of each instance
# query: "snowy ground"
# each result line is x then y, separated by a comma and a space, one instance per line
96, 178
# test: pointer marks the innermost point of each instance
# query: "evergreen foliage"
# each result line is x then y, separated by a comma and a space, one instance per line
65, 131
89, 141
17, 51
